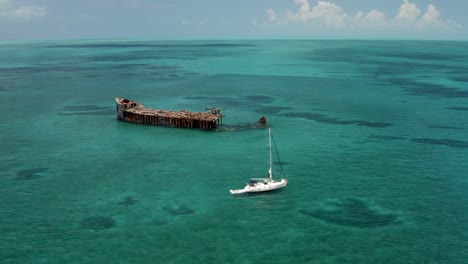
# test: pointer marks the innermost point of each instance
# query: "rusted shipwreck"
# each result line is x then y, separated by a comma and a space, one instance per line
134, 112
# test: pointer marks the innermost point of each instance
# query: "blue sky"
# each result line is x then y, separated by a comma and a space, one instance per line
369, 19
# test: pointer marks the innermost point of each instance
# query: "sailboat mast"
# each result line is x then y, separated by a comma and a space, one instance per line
271, 159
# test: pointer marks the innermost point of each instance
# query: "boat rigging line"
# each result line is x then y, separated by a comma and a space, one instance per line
277, 154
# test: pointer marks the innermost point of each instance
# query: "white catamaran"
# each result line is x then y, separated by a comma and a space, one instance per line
264, 184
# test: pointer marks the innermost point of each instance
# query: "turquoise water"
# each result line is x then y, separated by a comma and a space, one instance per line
372, 135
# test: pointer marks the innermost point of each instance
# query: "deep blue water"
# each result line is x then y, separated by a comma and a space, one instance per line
372, 135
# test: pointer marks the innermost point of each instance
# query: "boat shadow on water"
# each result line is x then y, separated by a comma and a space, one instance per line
240, 127
263, 194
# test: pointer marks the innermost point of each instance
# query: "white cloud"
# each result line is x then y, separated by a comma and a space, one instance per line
375, 16
324, 12
408, 12
331, 15
432, 15
8, 9
271, 15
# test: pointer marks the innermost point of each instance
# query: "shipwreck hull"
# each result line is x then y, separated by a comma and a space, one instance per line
134, 112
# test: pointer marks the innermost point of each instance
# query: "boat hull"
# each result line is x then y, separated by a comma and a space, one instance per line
262, 187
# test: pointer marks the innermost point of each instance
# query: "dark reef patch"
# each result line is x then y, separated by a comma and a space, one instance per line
31, 174
189, 73
457, 108
126, 66
98, 223
445, 142
461, 78
127, 74
128, 201
224, 45
423, 56
437, 90
135, 56
40, 69
321, 118
2, 89
283, 163
179, 210
162, 67
371, 124
318, 118
145, 45
444, 127
271, 109
159, 222
200, 98
78, 67
427, 89
352, 212
384, 137
91, 76
102, 45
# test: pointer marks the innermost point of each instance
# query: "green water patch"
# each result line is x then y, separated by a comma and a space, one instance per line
321, 118
240, 127
97, 223
31, 174
263, 99
247, 100
352, 212
444, 142
86, 110
110, 112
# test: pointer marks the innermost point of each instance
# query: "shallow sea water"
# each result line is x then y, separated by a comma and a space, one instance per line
372, 135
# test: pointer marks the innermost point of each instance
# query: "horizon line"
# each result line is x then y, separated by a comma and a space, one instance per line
38, 40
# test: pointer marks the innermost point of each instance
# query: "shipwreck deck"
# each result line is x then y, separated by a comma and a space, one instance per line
134, 112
